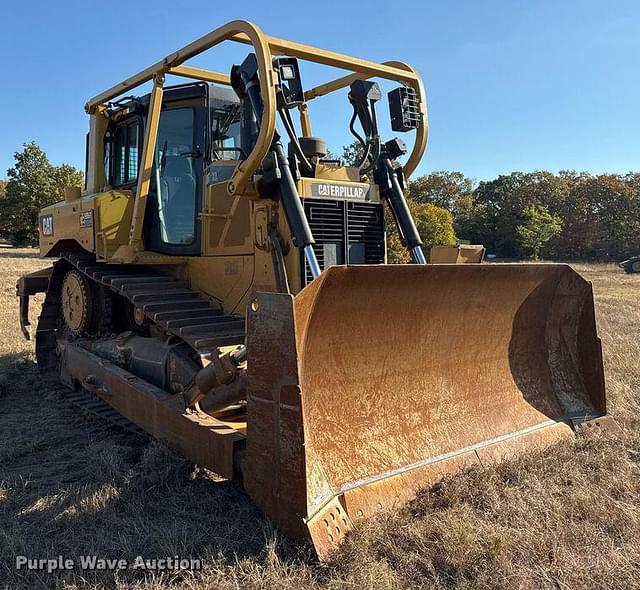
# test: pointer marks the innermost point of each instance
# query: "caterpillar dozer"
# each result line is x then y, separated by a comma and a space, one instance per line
221, 283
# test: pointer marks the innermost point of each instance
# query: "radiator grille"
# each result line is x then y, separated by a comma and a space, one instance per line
345, 233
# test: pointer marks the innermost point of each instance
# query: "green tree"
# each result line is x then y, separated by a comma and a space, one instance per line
616, 202
495, 214
434, 224
352, 153
33, 183
450, 190
66, 175
29, 188
498, 208
540, 226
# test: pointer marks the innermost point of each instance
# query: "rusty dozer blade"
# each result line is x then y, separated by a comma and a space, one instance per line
375, 381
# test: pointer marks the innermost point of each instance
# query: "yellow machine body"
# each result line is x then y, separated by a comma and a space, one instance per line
361, 385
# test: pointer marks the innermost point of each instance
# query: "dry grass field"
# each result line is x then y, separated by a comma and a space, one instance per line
71, 485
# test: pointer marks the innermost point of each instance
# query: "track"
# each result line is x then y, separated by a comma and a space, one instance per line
92, 404
163, 301
166, 302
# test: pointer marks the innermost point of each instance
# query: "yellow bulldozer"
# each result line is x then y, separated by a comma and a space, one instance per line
221, 283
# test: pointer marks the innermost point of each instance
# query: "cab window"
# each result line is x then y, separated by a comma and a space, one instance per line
121, 153
225, 133
174, 178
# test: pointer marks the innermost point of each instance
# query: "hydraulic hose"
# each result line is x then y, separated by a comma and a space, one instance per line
366, 146
290, 129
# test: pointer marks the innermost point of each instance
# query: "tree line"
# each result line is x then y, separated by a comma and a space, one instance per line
32, 183
564, 216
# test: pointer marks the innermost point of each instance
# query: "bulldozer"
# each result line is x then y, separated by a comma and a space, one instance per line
221, 282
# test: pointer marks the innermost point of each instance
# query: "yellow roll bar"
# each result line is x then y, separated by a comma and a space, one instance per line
264, 47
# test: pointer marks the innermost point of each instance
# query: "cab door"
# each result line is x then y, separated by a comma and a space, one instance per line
172, 223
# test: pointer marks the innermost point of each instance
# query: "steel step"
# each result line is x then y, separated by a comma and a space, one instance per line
138, 285
175, 325
177, 305
224, 326
108, 275
169, 295
168, 317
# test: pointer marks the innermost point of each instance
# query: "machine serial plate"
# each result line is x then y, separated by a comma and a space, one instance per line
86, 219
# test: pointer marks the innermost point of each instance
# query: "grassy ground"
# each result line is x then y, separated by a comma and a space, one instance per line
70, 485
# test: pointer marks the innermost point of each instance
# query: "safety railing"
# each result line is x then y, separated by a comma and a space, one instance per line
264, 47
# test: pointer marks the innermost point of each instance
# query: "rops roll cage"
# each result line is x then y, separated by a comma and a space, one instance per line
265, 47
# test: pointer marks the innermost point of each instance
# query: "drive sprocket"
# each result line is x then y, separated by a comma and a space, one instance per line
77, 303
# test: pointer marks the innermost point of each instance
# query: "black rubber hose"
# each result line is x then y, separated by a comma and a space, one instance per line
366, 146
307, 168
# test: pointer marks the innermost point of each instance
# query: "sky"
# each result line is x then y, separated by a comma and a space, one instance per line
511, 85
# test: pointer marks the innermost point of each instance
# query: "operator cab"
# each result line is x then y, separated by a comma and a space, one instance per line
204, 132
199, 123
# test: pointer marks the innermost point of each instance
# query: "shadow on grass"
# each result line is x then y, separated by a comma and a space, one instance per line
71, 484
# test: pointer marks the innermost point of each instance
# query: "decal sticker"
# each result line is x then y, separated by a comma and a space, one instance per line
231, 268
340, 191
86, 219
47, 225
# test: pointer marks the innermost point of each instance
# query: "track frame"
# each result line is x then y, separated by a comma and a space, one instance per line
215, 444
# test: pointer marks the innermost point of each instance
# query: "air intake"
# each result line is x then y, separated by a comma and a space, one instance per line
345, 233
